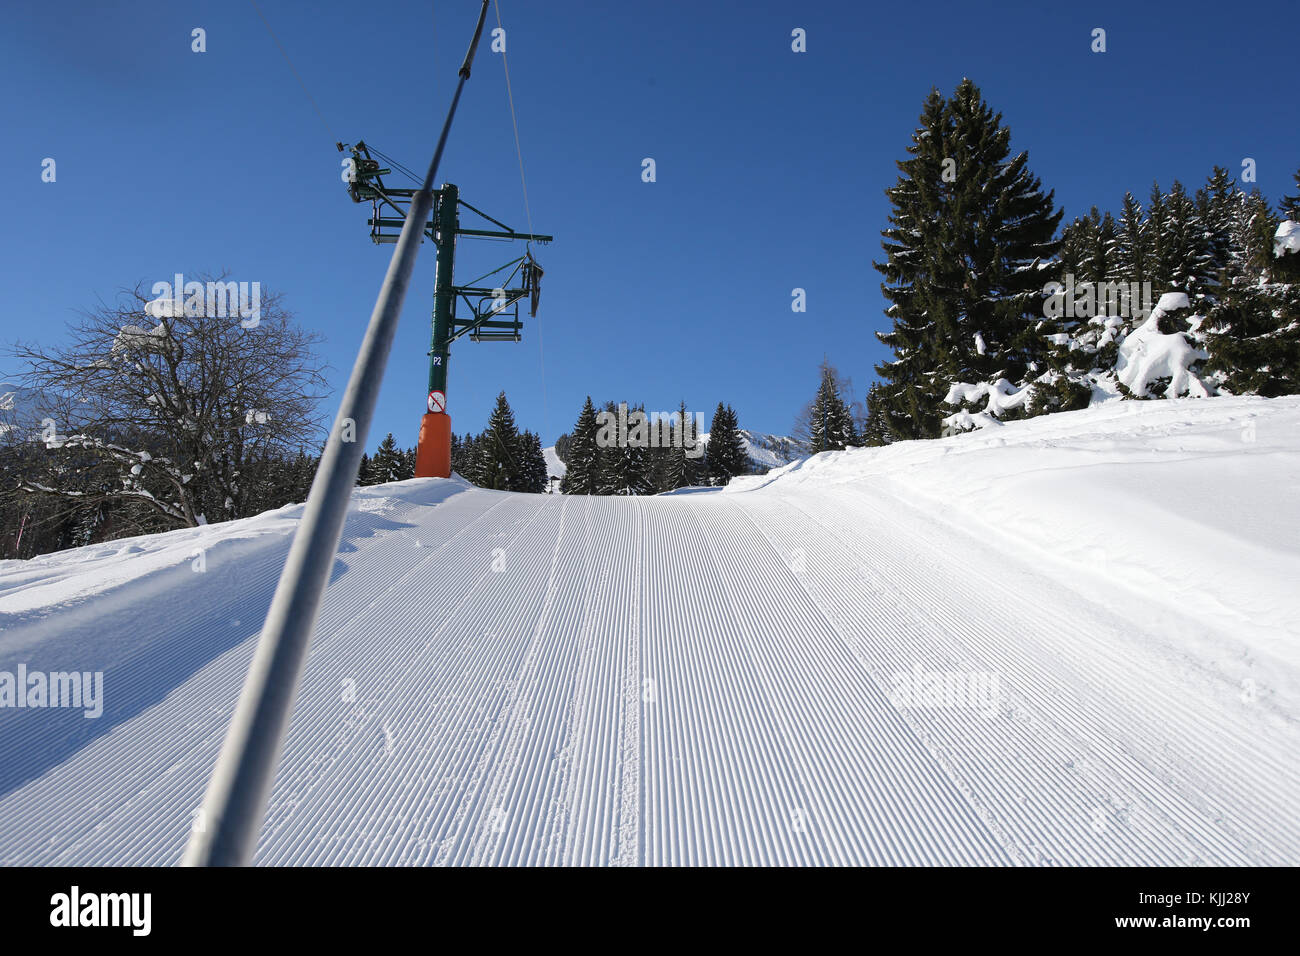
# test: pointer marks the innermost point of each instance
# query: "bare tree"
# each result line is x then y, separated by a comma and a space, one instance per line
174, 408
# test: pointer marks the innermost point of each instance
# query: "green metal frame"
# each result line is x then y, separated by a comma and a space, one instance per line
493, 312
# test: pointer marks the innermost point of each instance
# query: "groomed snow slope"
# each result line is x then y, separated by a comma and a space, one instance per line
554, 467
1108, 598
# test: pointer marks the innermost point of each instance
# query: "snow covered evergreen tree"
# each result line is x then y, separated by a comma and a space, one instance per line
965, 256
875, 432
562, 447
533, 478
625, 467
499, 453
582, 475
1254, 330
388, 464
1155, 237
1214, 204
681, 470
1088, 248
366, 471
1132, 258
727, 457
1290, 205
1186, 254
830, 424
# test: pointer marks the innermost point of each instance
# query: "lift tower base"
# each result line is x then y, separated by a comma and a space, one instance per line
433, 454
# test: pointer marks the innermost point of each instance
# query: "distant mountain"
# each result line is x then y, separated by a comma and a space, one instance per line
768, 451
20, 408
23, 412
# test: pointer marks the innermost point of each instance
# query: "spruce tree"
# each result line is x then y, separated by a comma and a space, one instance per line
534, 478
682, 470
1186, 251
1156, 239
1290, 205
875, 432
388, 463
727, 455
1214, 205
1088, 248
1251, 230
302, 472
917, 286
562, 447
626, 467
499, 456
475, 460
963, 256
581, 475
1254, 330
1072, 252
830, 423
1132, 255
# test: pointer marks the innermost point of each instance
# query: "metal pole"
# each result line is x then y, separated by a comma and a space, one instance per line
241, 781
445, 230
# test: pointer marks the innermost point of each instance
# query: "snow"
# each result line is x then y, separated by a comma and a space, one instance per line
1070, 640
1172, 302
1002, 396
1147, 355
134, 337
1287, 238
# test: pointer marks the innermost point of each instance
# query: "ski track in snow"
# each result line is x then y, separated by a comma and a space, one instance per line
693, 679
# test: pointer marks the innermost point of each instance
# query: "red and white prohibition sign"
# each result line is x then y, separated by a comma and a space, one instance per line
437, 401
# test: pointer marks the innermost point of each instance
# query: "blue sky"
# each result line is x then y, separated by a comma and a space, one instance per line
771, 166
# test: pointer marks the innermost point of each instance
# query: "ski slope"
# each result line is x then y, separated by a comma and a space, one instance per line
1070, 640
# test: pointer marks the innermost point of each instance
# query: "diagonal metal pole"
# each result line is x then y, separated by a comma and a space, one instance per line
241, 780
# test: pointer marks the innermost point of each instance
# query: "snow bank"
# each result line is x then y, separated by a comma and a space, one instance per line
1172, 302
1002, 396
1147, 356
1287, 238
1190, 501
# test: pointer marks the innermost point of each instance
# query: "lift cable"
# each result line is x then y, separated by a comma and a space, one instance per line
283, 52
395, 164
514, 122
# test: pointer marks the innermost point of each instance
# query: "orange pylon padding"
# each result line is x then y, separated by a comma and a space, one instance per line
433, 454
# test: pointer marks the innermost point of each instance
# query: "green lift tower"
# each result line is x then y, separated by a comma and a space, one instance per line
490, 312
